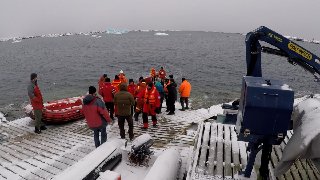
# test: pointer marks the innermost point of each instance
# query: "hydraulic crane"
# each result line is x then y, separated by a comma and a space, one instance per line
266, 105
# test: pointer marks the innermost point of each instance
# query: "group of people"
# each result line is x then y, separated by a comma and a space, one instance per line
123, 99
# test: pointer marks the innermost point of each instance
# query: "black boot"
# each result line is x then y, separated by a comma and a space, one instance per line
43, 128
36, 130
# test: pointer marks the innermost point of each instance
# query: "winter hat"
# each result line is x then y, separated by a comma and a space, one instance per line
121, 71
123, 87
183, 79
33, 75
150, 84
92, 90
130, 80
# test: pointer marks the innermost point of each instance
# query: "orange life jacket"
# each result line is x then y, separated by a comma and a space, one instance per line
153, 72
150, 96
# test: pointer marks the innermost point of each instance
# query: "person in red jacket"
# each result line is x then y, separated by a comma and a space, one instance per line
36, 99
116, 82
162, 74
108, 92
139, 101
132, 89
96, 115
151, 103
101, 82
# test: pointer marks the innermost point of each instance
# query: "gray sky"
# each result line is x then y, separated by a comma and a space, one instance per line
34, 17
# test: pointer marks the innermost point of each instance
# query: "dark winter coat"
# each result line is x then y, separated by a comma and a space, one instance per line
95, 112
123, 100
172, 91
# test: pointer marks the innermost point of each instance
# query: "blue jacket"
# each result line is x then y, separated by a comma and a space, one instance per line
159, 87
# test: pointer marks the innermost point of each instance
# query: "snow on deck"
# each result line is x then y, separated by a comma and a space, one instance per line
218, 155
26, 155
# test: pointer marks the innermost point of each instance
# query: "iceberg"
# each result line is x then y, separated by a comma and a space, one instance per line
161, 34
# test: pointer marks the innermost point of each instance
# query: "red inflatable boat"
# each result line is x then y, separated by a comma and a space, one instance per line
60, 111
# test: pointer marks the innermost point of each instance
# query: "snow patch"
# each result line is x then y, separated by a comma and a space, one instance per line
166, 166
2, 118
109, 175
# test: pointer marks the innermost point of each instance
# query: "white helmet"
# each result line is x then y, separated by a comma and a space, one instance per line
121, 71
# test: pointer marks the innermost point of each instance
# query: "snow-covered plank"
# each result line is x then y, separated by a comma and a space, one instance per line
204, 148
227, 152
220, 141
7, 174
212, 149
235, 151
192, 169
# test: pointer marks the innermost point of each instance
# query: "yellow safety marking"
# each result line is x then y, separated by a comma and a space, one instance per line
299, 50
275, 37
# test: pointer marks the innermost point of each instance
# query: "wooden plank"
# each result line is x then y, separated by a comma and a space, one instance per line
227, 152
301, 170
308, 169
197, 149
204, 148
212, 150
235, 152
243, 154
219, 169
9, 174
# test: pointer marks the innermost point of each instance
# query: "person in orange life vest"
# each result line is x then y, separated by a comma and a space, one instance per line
184, 90
36, 99
139, 101
96, 115
162, 74
107, 93
116, 82
153, 74
131, 89
101, 82
122, 77
148, 79
151, 103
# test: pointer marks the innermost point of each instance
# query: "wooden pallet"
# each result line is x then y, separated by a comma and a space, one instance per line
218, 155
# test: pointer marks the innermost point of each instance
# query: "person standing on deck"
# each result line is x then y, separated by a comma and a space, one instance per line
151, 103
124, 102
161, 93
107, 93
153, 74
36, 99
122, 77
162, 75
139, 101
172, 96
132, 89
184, 90
101, 82
116, 82
96, 115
